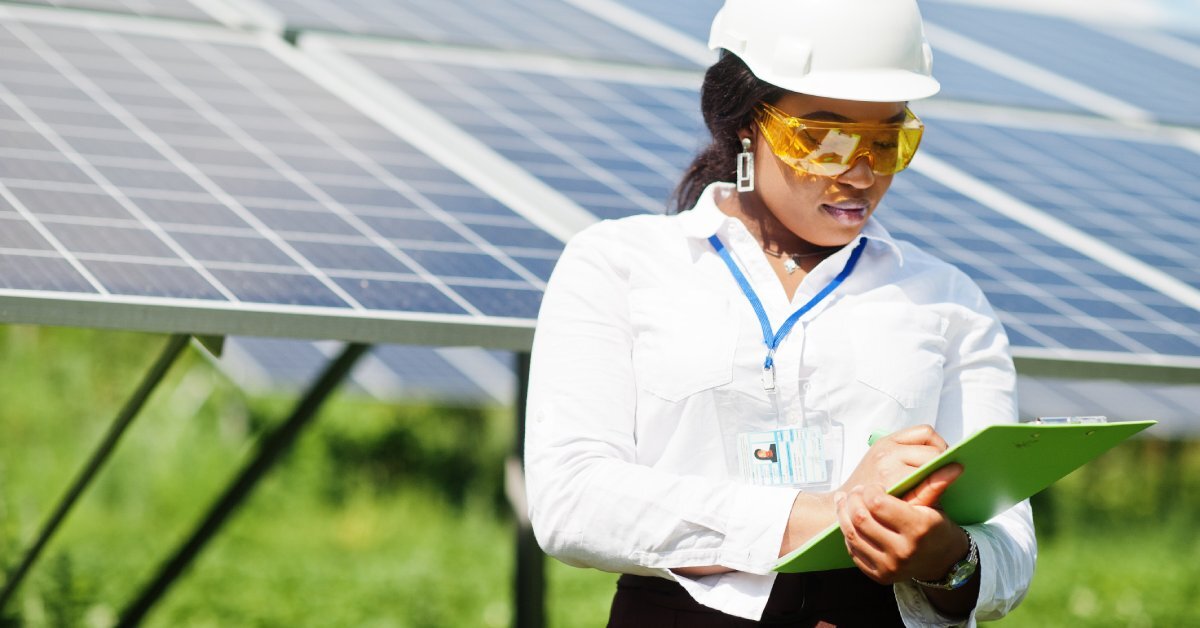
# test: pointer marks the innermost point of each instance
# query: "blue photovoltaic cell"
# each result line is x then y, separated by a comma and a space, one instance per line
1164, 86
155, 279
400, 296
613, 148
549, 26
25, 270
1143, 198
190, 169
179, 9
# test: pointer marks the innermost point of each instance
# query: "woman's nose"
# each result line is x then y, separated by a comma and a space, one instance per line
860, 174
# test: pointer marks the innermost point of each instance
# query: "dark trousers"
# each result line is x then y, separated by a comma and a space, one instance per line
841, 598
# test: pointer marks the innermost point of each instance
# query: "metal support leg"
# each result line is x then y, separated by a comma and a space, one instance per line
271, 447
530, 587
175, 346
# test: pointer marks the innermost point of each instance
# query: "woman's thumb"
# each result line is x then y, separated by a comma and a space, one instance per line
930, 490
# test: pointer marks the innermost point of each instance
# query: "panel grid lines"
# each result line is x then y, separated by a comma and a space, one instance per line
49, 237
236, 190
993, 255
356, 157
97, 177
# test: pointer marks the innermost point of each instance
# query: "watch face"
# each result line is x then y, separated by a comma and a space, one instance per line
961, 573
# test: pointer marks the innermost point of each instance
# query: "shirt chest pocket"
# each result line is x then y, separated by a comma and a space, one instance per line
683, 341
899, 350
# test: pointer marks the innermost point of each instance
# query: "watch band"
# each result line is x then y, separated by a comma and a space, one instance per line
960, 573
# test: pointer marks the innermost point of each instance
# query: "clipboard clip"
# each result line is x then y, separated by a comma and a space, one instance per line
1069, 420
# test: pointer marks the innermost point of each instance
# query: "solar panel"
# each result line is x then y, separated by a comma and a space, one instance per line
592, 137
204, 180
1173, 406
549, 26
1162, 85
462, 375
963, 80
1141, 196
691, 17
612, 147
1047, 295
207, 165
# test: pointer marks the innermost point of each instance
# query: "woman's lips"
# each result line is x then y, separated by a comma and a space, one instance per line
849, 213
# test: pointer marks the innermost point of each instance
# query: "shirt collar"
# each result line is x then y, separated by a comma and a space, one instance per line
705, 219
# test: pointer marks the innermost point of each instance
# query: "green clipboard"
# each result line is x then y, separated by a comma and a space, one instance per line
1002, 465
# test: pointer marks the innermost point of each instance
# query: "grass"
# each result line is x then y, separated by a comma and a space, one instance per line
392, 515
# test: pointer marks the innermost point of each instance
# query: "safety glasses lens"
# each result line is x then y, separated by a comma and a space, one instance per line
831, 148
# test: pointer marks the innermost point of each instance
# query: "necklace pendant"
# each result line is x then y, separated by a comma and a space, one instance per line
790, 265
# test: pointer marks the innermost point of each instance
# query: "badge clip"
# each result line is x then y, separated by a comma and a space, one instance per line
768, 378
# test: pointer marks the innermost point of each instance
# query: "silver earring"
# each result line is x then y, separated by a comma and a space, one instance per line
745, 168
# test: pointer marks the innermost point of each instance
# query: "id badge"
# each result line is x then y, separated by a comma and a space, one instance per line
788, 456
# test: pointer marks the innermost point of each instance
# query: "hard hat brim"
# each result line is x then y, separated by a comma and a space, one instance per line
866, 86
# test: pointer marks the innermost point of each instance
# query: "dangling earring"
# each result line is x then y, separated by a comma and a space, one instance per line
745, 168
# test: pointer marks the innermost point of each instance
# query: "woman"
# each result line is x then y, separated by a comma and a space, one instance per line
703, 385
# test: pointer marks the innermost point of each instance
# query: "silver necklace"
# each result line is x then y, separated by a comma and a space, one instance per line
791, 261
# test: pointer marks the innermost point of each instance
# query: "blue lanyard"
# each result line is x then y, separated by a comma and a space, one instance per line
772, 338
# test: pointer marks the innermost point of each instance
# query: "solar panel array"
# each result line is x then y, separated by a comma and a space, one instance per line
209, 168
1059, 168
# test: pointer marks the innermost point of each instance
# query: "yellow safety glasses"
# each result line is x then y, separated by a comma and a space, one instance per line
829, 149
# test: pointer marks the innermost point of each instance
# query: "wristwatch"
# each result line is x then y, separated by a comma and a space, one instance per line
960, 573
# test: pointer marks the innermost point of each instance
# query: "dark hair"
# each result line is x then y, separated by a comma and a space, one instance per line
727, 100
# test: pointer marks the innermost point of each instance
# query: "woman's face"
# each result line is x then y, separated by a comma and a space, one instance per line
822, 210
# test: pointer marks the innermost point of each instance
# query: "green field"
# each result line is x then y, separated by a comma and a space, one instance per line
388, 515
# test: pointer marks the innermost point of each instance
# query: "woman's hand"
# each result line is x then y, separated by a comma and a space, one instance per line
892, 539
895, 457
889, 460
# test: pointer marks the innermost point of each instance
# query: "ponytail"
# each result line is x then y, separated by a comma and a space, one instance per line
727, 100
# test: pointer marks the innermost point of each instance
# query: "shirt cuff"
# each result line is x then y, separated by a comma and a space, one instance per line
757, 521
736, 593
918, 612
758, 518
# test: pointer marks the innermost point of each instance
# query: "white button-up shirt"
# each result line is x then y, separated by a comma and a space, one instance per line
644, 332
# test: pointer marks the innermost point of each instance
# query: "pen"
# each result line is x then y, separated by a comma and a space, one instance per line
876, 435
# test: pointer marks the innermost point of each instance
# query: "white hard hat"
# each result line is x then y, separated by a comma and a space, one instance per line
868, 50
